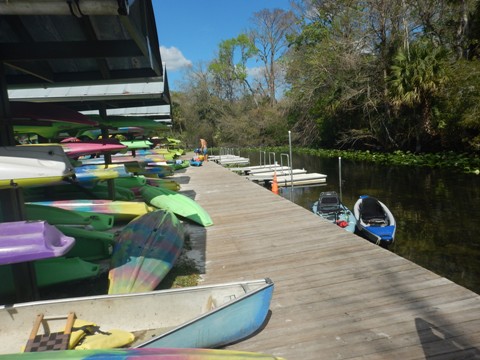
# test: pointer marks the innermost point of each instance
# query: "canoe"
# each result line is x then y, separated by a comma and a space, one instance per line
145, 354
204, 316
145, 250
120, 210
89, 245
32, 165
58, 216
177, 203
375, 222
22, 241
329, 207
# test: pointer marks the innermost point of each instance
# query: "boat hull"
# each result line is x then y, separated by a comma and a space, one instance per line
177, 203
145, 250
377, 228
216, 314
343, 218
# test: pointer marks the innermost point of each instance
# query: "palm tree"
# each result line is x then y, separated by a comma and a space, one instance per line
417, 76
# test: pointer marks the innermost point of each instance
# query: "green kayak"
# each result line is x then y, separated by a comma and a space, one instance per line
177, 203
51, 272
72, 191
89, 245
57, 216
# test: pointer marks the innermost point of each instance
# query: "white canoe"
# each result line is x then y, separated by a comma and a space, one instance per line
207, 316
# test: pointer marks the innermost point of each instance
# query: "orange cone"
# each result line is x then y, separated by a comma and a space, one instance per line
274, 183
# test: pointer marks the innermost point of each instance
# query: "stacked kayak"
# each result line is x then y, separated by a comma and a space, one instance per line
177, 203
33, 165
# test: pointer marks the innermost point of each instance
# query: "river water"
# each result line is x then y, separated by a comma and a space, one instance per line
437, 211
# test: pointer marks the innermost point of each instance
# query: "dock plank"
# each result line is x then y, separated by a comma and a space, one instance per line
336, 295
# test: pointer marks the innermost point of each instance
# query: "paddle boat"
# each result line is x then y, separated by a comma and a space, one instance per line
375, 222
329, 207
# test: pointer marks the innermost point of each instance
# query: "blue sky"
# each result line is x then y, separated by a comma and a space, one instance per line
189, 31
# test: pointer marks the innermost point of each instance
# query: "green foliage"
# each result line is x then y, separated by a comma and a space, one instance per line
463, 162
389, 75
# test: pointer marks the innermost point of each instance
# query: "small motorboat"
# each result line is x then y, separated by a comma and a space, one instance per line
375, 222
329, 207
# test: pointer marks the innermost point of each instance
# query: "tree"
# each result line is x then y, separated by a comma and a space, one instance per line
269, 34
229, 71
417, 77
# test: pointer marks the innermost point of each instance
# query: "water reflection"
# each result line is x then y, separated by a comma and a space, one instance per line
437, 211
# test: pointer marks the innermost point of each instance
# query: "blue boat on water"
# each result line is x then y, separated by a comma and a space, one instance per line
375, 222
329, 207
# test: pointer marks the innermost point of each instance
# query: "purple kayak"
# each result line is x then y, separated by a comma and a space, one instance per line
22, 241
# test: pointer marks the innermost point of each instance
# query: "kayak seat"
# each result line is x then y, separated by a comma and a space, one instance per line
372, 212
328, 202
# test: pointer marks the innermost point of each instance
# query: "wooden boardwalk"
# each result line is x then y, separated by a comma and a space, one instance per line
336, 295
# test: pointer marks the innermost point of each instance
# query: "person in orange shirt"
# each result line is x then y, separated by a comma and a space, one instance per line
204, 149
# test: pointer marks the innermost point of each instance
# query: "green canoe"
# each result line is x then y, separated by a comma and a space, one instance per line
177, 203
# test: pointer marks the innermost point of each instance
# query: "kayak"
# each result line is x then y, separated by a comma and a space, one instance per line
57, 216
120, 210
177, 203
32, 165
145, 251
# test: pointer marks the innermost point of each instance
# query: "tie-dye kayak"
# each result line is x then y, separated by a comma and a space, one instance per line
145, 250
145, 354
120, 210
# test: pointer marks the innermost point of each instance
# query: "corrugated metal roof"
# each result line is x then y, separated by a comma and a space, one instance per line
157, 112
89, 92
79, 47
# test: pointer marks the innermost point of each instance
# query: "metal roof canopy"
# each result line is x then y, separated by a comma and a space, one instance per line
72, 47
112, 97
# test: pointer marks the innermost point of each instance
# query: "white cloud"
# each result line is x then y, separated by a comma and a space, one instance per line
174, 58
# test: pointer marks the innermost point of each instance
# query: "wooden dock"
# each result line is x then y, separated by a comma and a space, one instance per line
336, 295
